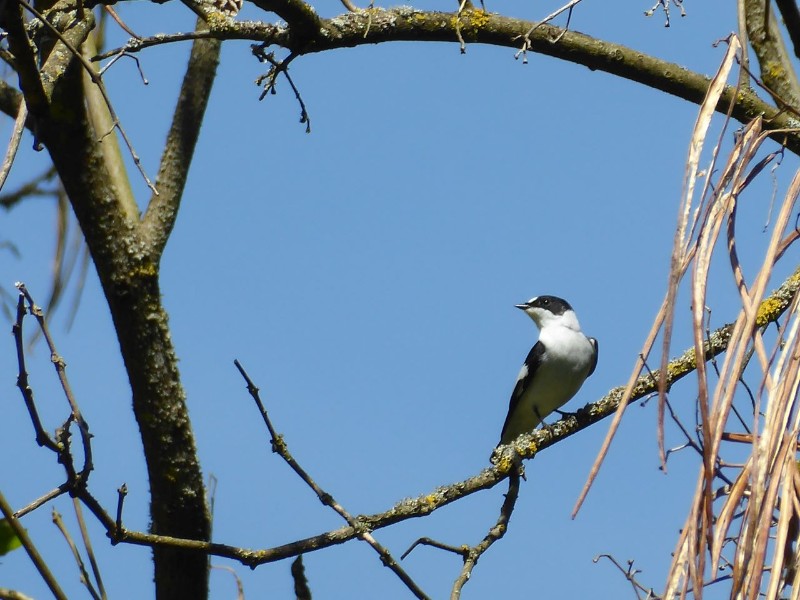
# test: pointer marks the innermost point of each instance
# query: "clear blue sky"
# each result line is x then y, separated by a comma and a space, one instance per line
365, 275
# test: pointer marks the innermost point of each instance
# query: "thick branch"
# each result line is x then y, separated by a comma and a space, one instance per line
181, 141
25, 56
407, 24
103, 124
297, 13
791, 18
777, 70
129, 278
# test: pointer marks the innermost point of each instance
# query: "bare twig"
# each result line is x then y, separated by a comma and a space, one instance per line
120, 22
664, 4
495, 534
270, 79
87, 543
526, 37
62, 489
60, 366
59, 522
630, 574
42, 437
122, 491
13, 144
362, 529
236, 578
462, 551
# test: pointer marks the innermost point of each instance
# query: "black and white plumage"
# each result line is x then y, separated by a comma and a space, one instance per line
555, 368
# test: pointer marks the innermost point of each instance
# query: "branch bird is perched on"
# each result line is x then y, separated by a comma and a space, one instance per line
555, 369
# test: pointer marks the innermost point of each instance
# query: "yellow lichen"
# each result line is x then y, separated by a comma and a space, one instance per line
147, 269
767, 310
470, 21
478, 18
774, 70
504, 465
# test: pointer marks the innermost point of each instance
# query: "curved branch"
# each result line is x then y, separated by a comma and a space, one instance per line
475, 26
162, 209
297, 13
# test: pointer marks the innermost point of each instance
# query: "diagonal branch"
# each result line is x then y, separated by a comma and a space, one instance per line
279, 446
791, 19
495, 533
159, 219
26, 61
33, 553
777, 69
526, 446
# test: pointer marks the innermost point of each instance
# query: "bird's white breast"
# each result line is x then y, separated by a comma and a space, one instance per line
563, 369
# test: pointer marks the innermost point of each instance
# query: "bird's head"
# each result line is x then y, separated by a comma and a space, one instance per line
549, 310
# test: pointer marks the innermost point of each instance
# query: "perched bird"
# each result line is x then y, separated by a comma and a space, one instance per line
555, 369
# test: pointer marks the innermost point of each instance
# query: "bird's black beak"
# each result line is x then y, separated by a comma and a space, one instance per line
522, 306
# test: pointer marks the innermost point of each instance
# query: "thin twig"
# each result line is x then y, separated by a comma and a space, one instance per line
13, 144
526, 37
87, 543
42, 437
120, 22
495, 533
59, 522
629, 573
122, 491
270, 79
363, 532
462, 551
62, 489
61, 366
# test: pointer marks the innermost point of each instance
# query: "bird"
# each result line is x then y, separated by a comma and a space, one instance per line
555, 368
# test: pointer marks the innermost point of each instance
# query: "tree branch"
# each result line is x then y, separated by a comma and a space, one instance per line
298, 14
26, 61
475, 26
777, 70
130, 282
506, 458
162, 210
791, 18
279, 446
33, 553
103, 123
495, 533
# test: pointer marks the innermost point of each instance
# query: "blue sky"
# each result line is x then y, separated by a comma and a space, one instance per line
365, 275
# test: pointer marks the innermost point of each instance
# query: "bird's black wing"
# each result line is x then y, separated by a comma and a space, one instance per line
595, 347
526, 374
